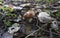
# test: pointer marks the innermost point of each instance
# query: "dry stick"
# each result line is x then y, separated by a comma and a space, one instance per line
41, 29
34, 31
51, 32
36, 35
51, 36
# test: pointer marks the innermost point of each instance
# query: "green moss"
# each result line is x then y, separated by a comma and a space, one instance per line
49, 1
38, 0
7, 9
7, 23
58, 14
48, 11
13, 15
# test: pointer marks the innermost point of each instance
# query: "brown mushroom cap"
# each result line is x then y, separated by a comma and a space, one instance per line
29, 14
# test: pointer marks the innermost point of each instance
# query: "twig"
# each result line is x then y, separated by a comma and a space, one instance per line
42, 30
51, 36
32, 33
35, 31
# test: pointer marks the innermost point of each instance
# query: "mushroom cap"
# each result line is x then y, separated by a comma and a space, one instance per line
44, 17
29, 14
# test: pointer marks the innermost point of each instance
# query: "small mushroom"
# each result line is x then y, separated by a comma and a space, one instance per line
44, 17
54, 25
29, 14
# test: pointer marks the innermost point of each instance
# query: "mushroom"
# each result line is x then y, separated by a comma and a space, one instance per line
44, 17
29, 14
